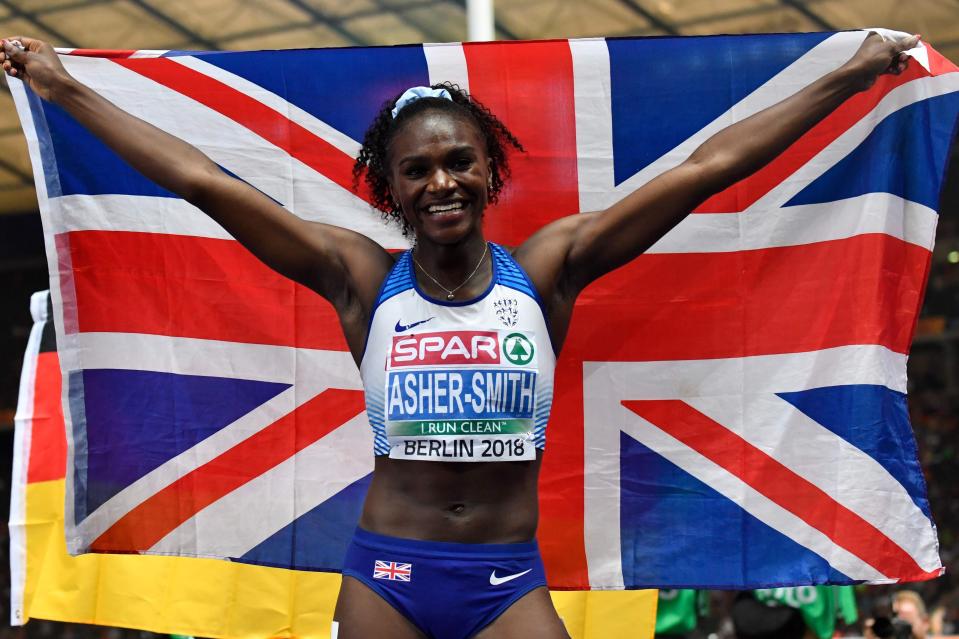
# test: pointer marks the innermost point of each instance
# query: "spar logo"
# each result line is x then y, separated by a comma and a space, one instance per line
446, 347
518, 349
456, 348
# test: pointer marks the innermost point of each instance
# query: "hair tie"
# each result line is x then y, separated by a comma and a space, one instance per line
415, 93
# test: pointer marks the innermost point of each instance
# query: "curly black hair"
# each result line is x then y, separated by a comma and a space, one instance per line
372, 162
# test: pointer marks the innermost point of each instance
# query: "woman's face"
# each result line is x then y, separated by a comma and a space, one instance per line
439, 171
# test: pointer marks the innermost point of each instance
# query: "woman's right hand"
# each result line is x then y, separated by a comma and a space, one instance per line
36, 63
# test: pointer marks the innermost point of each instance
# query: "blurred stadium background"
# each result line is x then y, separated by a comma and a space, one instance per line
258, 24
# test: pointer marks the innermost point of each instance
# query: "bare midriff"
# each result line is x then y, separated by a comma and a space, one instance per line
465, 502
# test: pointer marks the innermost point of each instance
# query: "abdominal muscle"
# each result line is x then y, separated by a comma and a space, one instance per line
465, 502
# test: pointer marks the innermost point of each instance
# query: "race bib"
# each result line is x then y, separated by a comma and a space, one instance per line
461, 396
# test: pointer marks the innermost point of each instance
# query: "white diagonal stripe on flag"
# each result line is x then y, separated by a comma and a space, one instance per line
304, 475
120, 504
605, 419
752, 501
267, 98
314, 370
900, 97
304, 190
848, 475
809, 67
606, 384
222, 139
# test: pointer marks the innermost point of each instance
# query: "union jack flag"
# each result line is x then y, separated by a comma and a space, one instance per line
729, 408
392, 571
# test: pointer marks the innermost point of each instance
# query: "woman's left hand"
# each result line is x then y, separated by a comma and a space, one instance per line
878, 55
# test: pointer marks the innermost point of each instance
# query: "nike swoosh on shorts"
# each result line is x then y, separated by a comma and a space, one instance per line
495, 581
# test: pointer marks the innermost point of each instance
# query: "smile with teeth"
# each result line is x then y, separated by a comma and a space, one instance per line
445, 209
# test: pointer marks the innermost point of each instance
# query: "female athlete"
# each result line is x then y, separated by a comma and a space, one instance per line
455, 339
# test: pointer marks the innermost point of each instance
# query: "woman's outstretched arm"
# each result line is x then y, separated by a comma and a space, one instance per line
567, 255
339, 264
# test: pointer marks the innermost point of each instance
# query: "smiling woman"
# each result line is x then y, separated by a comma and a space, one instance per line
379, 157
456, 340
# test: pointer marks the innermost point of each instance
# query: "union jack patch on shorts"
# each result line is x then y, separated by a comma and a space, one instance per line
392, 571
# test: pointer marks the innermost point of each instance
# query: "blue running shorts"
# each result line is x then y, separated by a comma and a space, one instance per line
447, 590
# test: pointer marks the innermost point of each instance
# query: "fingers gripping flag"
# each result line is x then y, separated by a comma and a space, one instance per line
730, 407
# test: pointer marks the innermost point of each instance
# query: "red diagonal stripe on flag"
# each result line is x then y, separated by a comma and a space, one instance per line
156, 517
745, 192
786, 488
273, 127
